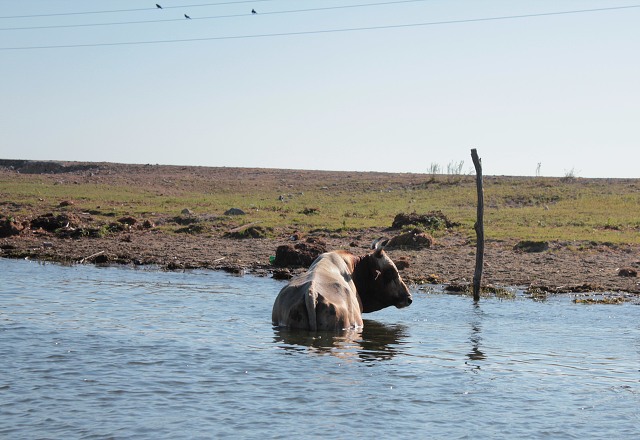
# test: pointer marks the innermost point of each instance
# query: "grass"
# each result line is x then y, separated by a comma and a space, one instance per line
599, 210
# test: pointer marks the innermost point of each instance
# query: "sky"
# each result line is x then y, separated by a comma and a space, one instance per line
351, 85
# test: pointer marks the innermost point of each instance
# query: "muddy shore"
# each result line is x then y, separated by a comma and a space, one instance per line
562, 267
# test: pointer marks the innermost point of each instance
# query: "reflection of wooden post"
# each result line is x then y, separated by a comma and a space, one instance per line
479, 226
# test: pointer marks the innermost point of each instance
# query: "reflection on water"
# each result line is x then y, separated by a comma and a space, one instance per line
476, 338
374, 342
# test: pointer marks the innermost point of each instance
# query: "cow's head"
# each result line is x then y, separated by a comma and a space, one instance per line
378, 281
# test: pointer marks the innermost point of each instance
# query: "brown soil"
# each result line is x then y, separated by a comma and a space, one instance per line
450, 260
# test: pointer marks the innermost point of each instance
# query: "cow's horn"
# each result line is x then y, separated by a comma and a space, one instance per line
379, 244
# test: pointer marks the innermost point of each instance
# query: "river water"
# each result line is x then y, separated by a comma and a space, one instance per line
89, 352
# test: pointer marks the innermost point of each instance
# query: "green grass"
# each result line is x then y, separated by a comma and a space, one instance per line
600, 210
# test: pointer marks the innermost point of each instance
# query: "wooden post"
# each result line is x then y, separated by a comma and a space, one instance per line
479, 226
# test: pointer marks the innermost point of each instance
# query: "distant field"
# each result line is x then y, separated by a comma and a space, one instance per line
562, 209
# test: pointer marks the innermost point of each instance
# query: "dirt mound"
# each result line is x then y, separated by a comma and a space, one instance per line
128, 220
302, 254
250, 232
414, 239
531, 246
51, 222
433, 220
234, 211
44, 167
9, 227
192, 229
184, 220
402, 263
282, 274
627, 272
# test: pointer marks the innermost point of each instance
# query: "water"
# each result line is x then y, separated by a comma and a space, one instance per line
89, 352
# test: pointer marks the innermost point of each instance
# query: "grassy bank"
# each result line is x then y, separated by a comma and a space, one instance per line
562, 209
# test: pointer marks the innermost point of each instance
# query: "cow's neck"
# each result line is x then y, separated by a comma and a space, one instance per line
364, 282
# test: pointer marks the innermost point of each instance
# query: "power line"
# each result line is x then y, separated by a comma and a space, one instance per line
113, 11
327, 8
63, 26
325, 31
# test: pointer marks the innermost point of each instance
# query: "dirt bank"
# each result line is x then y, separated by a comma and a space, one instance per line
556, 267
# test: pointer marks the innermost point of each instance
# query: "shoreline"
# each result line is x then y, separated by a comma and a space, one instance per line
449, 261
104, 213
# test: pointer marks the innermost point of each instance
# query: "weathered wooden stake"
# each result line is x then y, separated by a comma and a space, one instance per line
479, 226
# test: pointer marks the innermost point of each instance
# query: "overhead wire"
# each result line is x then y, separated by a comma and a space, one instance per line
326, 31
113, 11
290, 11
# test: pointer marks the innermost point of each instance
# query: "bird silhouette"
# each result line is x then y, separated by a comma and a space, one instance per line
186, 16
253, 11
158, 6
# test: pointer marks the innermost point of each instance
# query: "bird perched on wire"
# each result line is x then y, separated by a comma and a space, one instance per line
253, 11
186, 16
158, 6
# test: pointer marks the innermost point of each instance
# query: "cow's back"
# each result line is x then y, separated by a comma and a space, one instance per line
290, 309
323, 298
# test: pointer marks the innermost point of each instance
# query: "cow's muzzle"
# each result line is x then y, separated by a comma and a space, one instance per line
405, 302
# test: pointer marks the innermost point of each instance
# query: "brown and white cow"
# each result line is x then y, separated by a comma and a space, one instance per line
338, 288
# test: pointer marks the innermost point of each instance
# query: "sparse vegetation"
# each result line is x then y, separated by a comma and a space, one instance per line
434, 169
455, 168
569, 176
541, 209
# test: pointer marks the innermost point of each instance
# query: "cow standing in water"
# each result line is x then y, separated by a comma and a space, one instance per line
338, 288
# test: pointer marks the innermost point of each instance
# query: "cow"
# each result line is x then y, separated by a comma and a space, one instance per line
338, 288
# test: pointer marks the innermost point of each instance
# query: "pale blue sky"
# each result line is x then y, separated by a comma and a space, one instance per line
560, 90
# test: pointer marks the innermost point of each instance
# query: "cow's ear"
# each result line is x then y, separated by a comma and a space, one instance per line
378, 246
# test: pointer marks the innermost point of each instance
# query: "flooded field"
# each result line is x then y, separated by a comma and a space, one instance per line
89, 352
